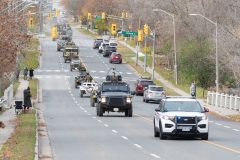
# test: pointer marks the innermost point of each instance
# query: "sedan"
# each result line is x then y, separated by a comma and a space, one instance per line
115, 57
153, 93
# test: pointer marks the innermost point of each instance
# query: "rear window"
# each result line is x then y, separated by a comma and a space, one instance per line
146, 83
113, 44
111, 48
156, 88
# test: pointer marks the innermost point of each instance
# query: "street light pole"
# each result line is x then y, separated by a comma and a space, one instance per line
153, 59
41, 17
217, 69
174, 44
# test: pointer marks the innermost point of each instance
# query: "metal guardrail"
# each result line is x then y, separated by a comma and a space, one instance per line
223, 100
2, 102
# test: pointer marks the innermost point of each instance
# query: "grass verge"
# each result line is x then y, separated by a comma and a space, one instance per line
235, 117
21, 145
87, 33
33, 83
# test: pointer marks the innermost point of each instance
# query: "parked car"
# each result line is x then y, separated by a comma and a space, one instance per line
115, 57
109, 50
102, 47
153, 93
141, 83
97, 42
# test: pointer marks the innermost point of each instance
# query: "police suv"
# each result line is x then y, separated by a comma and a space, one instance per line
180, 116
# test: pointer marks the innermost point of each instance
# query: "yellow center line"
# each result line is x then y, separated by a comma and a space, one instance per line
215, 144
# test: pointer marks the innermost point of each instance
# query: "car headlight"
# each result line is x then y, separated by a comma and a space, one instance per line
202, 118
103, 100
128, 100
168, 117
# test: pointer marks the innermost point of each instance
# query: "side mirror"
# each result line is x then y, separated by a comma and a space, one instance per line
205, 109
145, 88
157, 110
133, 93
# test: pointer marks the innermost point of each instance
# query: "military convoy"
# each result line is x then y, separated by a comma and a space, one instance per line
70, 52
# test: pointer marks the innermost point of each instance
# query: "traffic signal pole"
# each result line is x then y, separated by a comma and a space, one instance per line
153, 59
145, 58
41, 17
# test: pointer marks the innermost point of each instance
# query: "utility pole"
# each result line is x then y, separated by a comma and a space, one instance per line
41, 17
153, 59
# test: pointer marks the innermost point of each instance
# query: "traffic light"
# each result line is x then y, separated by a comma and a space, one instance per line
57, 12
122, 14
89, 16
103, 15
126, 15
29, 13
140, 35
114, 28
30, 22
146, 29
49, 15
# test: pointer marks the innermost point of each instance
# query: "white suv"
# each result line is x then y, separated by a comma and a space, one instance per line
180, 116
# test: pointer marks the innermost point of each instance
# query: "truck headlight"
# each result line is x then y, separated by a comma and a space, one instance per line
202, 118
128, 100
103, 100
168, 117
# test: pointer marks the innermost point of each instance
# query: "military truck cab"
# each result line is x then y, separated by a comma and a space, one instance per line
114, 95
70, 52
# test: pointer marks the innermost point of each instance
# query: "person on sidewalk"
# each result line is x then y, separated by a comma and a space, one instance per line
27, 99
31, 73
17, 73
193, 89
25, 73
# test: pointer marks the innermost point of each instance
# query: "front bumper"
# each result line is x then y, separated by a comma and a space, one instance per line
155, 98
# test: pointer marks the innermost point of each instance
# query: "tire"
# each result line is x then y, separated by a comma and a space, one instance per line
205, 137
161, 135
58, 49
110, 61
100, 110
120, 62
92, 102
71, 69
97, 109
156, 133
65, 60
126, 112
81, 94
146, 100
143, 99
129, 112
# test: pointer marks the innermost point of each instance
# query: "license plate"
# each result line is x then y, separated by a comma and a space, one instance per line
116, 57
115, 109
186, 129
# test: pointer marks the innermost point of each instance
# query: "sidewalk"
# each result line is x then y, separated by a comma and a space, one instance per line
8, 117
223, 112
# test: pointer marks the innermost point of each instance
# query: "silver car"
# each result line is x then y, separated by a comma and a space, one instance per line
153, 93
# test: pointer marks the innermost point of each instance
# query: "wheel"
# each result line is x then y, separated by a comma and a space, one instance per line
71, 69
120, 62
100, 110
146, 100
81, 94
110, 61
205, 137
129, 112
156, 133
58, 49
161, 135
92, 102
143, 99
97, 109
65, 60
126, 112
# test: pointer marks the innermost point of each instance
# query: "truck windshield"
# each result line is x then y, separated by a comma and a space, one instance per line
71, 50
114, 88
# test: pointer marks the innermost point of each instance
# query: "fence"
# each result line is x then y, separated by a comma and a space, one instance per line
223, 100
8, 96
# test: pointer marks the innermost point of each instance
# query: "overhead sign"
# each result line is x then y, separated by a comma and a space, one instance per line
129, 33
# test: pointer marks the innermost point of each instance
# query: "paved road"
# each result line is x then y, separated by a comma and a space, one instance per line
77, 133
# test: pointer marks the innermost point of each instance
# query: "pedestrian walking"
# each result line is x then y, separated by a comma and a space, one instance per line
27, 99
17, 73
25, 73
31, 73
193, 89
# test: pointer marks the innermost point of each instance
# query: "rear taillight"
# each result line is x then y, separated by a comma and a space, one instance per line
149, 92
140, 85
163, 93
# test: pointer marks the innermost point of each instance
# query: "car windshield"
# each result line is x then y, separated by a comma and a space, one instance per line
114, 88
156, 88
146, 83
71, 50
182, 106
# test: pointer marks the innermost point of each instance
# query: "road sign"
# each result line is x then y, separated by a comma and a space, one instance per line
98, 17
129, 33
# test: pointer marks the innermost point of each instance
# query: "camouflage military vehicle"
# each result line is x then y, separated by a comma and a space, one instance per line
70, 52
80, 78
93, 98
63, 39
76, 64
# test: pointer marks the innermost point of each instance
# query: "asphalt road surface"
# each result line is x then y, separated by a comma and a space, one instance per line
77, 133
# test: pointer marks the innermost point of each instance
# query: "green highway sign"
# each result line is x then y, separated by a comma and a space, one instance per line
97, 17
129, 33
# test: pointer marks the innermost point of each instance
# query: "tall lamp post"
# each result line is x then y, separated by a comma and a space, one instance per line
174, 44
217, 70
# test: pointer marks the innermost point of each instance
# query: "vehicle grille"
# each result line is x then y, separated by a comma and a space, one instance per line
186, 120
75, 65
116, 102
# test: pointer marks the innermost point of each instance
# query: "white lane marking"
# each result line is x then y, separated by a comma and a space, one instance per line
104, 77
93, 117
102, 71
71, 94
93, 71
226, 126
114, 131
106, 125
105, 64
236, 130
218, 124
129, 73
70, 91
58, 76
69, 88
124, 137
99, 121
66, 70
95, 77
57, 70
39, 70
78, 104
210, 121
48, 76
48, 71
154, 155
85, 111
120, 72
89, 114
67, 77
137, 146
38, 77
66, 83
74, 99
